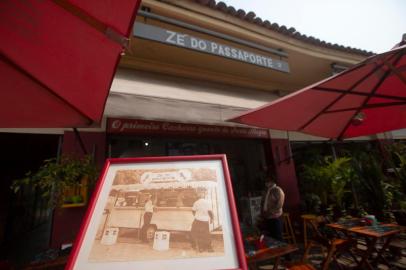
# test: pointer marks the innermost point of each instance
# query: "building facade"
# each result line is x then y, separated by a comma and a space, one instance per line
191, 66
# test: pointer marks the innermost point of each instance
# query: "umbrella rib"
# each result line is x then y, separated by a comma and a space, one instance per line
370, 106
343, 93
93, 22
81, 14
357, 93
395, 71
6, 59
371, 94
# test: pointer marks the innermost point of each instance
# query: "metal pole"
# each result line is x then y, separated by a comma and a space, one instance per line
290, 155
333, 150
59, 149
82, 145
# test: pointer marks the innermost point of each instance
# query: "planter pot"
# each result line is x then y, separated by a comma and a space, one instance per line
76, 196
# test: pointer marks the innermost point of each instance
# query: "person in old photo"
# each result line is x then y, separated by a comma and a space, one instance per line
272, 210
148, 211
200, 232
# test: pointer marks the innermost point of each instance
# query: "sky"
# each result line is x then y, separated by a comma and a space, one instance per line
372, 25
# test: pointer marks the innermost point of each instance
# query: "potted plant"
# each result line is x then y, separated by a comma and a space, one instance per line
63, 182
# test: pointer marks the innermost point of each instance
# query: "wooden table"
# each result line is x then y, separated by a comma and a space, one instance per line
270, 253
371, 236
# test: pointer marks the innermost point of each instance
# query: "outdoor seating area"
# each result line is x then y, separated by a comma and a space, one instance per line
349, 243
352, 215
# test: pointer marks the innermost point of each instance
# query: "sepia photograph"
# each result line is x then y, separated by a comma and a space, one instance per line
172, 210
160, 214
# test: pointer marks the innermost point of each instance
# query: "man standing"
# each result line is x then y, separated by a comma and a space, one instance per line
200, 231
272, 204
148, 210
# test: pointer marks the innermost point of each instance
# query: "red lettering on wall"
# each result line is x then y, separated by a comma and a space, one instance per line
136, 126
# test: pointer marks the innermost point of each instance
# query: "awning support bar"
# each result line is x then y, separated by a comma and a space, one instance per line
82, 145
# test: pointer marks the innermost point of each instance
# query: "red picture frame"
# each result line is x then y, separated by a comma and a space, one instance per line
173, 212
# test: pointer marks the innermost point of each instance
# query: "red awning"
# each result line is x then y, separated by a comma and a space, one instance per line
366, 99
58, 59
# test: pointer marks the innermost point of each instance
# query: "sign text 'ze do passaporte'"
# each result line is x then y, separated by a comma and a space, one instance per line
194, 43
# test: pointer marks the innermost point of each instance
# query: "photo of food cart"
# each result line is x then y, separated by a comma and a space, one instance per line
175, 212
172, 202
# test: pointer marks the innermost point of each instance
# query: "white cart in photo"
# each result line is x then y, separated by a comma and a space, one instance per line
172, 202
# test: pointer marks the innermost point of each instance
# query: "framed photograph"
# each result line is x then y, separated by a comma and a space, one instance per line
161, 213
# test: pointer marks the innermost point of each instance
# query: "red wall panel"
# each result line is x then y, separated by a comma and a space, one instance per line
67, 221
286, 174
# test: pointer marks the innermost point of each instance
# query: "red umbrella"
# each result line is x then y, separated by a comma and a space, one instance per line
58, 59
366, 99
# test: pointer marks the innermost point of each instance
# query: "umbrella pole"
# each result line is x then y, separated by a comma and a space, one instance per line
59, 150
333, 150
290, 154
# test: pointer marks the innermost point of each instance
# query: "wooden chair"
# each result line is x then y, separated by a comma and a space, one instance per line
332, 247
306, 222
288, 233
